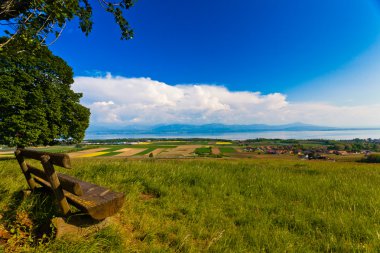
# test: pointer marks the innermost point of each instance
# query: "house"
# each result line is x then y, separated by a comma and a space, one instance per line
249, 149
341, 152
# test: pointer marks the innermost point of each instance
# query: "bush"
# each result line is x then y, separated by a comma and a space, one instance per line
373, 158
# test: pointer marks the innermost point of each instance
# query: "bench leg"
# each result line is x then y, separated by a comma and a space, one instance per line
55, 184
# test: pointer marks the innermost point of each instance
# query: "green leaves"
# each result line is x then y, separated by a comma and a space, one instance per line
37, 105
40, 18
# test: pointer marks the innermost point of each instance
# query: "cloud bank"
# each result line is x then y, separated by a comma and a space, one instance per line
121, 101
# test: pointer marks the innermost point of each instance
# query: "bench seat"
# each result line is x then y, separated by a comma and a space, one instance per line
97, 201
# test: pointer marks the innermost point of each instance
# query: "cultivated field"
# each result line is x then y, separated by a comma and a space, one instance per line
214, 205
157, 150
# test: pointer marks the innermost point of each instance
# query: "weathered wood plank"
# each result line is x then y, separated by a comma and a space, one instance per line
99, 202
43, 182
97, 206
62, 160
24, 169
68, 183
55, 184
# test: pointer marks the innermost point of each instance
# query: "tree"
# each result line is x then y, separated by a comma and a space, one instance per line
39, 18
37, 105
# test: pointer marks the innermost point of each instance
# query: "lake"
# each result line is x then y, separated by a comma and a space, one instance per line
331, 135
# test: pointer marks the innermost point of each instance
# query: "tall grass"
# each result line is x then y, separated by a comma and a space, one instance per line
226, 205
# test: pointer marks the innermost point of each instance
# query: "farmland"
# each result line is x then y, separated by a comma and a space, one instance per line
142, 150
229, 204
192, 148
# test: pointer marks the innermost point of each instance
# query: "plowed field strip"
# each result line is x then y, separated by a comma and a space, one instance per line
215, 151
156, 152
129, 152
184, 150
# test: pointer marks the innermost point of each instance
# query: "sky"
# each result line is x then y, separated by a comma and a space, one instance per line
231, 62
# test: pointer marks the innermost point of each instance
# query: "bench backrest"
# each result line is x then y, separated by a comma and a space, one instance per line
48, 177
62, 160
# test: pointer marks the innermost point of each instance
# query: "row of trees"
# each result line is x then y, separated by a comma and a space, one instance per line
37, 105
355, 145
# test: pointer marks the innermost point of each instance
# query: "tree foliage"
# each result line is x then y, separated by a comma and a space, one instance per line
37, 105
40, 18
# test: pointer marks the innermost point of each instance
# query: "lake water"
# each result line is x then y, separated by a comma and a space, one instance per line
331, 135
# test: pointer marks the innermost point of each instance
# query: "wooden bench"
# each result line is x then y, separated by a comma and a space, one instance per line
95, 200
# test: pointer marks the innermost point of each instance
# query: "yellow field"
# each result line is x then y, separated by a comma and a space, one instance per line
93, 154
83, 153
6, 155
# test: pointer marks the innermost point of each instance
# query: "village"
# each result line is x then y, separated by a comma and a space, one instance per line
318, 153
312, 149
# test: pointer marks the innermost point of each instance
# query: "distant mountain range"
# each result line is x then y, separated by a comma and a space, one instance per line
213, 128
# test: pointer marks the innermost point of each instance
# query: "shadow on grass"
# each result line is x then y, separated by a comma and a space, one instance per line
28, 216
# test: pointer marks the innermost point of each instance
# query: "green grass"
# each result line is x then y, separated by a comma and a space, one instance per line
203, 151
64, 149
253, 205
117, 147
172, 143
146, 151
112, 153
113, 150
227, 150
177, 143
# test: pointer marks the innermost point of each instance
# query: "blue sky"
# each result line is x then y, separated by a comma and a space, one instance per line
245, 45
243, 61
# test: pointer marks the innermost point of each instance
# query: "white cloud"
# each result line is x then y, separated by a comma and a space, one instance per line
118, 101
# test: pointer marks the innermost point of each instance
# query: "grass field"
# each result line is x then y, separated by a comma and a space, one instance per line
215, 205
64, 149
203, 151
227, 150
117, 150
146, 151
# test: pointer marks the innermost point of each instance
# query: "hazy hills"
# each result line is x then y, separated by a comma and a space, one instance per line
212, 128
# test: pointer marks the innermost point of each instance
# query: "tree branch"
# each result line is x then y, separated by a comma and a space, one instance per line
14, 35
10, 9
59, 35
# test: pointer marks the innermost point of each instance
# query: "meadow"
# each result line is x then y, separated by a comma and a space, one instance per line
209, 205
